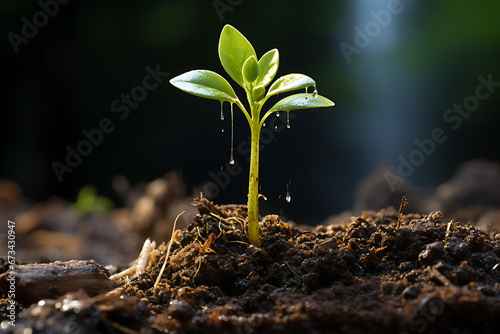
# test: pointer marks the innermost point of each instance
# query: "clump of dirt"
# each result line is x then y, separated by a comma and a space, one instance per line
381, 272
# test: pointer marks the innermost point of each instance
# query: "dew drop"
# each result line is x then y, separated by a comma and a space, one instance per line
315, 93
222, 111
288, 119
231, 160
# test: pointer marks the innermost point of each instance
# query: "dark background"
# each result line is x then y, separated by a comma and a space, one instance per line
394, 91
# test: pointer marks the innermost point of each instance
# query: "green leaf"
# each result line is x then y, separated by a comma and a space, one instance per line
206, 84
268, 66
234, 50
301, 101
250, 69
290, 82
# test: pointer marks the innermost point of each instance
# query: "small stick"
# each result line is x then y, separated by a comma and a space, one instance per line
293, 271
168, 253
400, 216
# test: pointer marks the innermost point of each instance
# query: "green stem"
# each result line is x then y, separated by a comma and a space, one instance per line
253, 183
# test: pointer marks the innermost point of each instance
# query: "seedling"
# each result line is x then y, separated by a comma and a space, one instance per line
239, 59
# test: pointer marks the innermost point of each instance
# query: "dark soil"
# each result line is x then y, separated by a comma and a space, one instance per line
376, 274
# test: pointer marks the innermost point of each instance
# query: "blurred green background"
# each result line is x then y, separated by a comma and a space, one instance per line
394, 90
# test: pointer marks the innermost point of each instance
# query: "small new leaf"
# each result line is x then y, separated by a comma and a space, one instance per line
205, 84
268, 66
258, 93
250, 69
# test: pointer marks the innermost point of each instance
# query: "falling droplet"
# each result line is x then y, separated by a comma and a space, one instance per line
222, 130
288, 119
315, 92
222, 111
278, 114
264, 125
288, 198
231, 160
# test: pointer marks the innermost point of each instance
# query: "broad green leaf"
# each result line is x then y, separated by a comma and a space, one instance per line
301, 101
206, 84
250, 69
268, 66
234, 50
290, 82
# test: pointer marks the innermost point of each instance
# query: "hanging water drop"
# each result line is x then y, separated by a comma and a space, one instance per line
306, 93
231, 160
222, 111
315, 92
264, 125
278, 114
288, 119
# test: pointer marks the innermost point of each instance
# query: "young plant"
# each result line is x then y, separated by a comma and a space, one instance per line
239, 60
